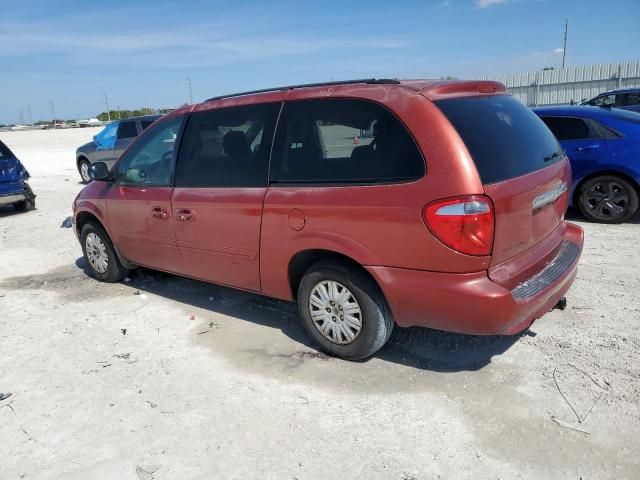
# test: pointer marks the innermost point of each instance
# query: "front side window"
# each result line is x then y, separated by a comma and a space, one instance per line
567, 128
343, 141
127, 130
604, 101
227, 147
149, 161
106, 139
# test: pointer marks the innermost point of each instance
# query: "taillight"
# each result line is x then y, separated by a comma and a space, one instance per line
464, 224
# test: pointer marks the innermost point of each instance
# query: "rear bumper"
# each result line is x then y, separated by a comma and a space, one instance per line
9, 198
472, 303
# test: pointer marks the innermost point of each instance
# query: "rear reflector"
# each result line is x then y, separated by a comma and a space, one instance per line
464, 224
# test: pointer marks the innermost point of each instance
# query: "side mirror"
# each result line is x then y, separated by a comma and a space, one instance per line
99, 172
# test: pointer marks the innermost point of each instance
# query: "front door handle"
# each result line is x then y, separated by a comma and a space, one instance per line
586, 148
184, 214
159, 212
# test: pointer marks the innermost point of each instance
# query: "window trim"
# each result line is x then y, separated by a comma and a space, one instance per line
118, 177
346, 183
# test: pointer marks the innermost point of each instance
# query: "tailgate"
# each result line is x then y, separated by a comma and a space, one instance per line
528, 209
521, 165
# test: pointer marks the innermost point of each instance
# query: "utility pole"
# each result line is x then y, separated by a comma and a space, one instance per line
53, 113
564, 48
106, 102
190, 91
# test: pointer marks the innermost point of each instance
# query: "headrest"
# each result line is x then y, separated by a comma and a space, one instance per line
235, 144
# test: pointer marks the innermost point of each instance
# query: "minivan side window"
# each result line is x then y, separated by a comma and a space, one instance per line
227, 147
343, 141
568, 128
127, 130
145, 123
149, 161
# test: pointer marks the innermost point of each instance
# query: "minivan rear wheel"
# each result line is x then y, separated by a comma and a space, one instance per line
100, 254
607, 199
343, 310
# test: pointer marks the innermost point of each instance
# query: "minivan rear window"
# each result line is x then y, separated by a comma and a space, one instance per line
505, 139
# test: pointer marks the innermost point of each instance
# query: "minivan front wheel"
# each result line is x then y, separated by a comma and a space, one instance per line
343, 310
607, 199
100, 254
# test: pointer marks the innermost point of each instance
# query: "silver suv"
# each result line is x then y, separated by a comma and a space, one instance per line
109, 144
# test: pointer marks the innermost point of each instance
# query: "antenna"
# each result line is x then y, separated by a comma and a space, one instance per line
190, 91
106, 102
564, 48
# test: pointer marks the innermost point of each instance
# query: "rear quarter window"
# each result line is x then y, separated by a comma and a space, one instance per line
505, 139
343, 142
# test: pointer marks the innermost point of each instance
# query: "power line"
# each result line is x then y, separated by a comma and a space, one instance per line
564, 48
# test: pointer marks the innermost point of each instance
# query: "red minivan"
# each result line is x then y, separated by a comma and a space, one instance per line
372, 203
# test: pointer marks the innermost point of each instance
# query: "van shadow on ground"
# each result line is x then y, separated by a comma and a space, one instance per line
419, 348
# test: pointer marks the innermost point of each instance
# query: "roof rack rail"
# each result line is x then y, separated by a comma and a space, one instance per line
388, 81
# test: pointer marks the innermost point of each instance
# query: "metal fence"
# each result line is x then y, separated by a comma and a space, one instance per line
557, 87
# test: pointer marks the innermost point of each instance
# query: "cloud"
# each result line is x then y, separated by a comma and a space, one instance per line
444, 4
490, 3
558, 50
179, 47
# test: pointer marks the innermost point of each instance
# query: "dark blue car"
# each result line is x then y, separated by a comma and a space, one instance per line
14, 189
625, 98
603, 145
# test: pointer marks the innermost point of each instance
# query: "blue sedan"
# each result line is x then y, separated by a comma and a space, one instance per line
603, 146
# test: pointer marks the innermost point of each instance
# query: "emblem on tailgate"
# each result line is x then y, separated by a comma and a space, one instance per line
550, 196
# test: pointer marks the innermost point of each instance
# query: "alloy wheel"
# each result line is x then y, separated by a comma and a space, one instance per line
607, 200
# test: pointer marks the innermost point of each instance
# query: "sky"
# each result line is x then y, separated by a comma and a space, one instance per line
142, 52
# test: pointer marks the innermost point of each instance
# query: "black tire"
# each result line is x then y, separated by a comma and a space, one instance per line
115, 271
81, 164
28, 204
376, 319
607, 199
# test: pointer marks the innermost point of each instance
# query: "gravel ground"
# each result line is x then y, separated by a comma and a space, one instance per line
170, 378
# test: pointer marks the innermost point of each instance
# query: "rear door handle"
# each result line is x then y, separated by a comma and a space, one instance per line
159, 212
588, 147
184, 214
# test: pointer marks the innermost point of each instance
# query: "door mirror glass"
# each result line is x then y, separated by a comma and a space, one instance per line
99, 172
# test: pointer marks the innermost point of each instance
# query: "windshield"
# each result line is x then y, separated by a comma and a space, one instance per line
107, 137
505, 138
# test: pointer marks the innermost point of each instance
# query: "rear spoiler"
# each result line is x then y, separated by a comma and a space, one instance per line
463, 88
